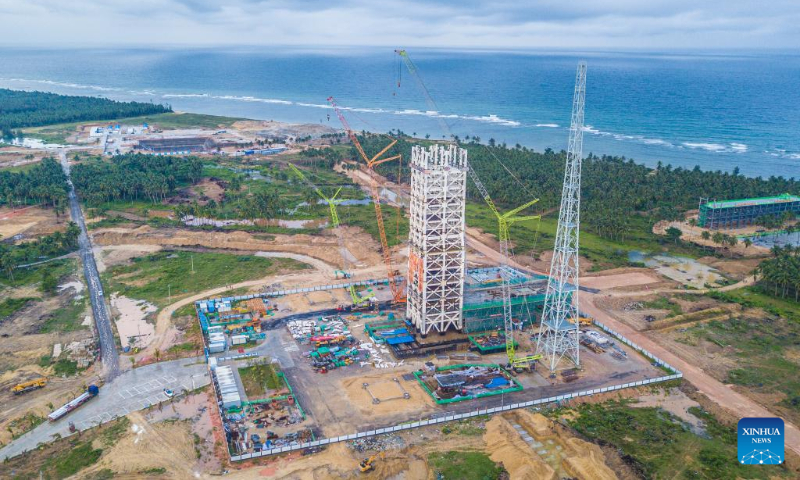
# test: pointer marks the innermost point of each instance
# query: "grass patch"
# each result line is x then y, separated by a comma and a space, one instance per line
26, 423
464, 466
754, 297
19, 168
259, 380
58, 133
154, 471
65, 367
115, 431
61, 367
73, 460
67, 319
10, 306
760, 347
533, 238
464, 427
185, 310
104, 474
659, 445
151, 277
364, 216
664, 303
33, 275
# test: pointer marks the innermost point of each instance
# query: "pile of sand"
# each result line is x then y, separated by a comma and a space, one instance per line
580, 459
504, 445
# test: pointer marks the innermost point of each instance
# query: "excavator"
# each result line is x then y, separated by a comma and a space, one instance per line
25, 387
366, 465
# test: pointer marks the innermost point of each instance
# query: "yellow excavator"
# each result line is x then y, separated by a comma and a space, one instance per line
366, 464
28, 386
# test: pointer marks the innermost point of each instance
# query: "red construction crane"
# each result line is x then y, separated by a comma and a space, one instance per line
395, 283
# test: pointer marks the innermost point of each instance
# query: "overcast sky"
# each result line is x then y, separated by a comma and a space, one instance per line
626, 24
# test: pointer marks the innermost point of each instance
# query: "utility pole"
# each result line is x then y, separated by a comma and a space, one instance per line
192, 257
560, 327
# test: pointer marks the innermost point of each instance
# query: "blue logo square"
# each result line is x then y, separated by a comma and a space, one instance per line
760, 441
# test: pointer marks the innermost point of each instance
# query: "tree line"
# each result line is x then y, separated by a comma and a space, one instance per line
35, 109
48, 246
780, 275
134, 176
44, 184
614, 190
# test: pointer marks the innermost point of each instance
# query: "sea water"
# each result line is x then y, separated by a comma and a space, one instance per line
716, 110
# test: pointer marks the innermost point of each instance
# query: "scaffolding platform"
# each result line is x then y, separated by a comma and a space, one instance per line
742, 212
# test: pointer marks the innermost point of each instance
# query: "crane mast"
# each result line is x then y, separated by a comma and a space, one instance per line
395, 283
560, 328
332, 202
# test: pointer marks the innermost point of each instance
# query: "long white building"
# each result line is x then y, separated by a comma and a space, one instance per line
437, 255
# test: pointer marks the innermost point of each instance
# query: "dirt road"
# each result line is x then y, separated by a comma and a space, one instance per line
321, 271
716, 391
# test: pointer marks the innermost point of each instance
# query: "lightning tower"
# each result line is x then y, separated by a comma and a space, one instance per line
559, 329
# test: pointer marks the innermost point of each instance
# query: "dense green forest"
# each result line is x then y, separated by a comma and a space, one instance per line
134, 177
20, 109
613, 189
49, 246
44, 183
780, 275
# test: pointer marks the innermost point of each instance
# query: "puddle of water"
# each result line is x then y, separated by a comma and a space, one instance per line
134, 330
78, 286
780, 239
687, 271
293, 224
31, 143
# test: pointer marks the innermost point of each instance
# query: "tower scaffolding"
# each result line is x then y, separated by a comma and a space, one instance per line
560, 329
437, 254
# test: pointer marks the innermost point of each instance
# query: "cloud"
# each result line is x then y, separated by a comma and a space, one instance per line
464, 23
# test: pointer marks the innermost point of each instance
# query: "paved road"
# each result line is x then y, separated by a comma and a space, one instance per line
131, 391
719, 393
102, 319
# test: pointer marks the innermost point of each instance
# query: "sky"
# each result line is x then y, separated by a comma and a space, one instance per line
508, 24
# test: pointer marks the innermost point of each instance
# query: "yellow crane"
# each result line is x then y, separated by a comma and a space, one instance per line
28, 386
396, 285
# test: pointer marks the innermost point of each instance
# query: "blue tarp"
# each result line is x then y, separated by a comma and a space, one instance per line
401, 339
389, 333
497, 382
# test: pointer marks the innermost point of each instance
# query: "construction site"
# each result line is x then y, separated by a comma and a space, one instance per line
435, 338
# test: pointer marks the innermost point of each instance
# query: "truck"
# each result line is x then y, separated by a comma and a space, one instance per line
24, 387
84, 397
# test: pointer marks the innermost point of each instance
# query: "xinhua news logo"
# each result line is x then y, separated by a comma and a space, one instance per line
760, 441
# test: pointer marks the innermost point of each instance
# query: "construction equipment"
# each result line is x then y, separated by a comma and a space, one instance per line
584, 321
557, 336
357, 299
25, 387
332, 201
366, 465
84, 397
504, 222
395, 283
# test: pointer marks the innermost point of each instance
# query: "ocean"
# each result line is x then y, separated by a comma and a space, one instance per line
718, 111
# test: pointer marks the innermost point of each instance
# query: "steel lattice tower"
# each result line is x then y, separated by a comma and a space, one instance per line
559, 330
437, 255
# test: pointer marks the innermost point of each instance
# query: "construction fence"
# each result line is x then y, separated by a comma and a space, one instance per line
487, 411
